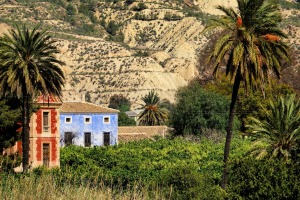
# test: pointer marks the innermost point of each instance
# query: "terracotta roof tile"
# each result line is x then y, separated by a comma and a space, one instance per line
84, 107
130, 133
48, 99
127, 137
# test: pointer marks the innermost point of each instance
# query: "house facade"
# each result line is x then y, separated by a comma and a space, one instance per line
86, 124
133, 114
44, 133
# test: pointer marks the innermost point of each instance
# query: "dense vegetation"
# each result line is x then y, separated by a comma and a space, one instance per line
250, 46
177, 168
180, 168
198, 109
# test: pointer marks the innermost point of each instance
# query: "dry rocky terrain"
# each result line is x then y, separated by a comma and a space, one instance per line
154, 45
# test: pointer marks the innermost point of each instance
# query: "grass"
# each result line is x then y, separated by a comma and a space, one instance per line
48, 187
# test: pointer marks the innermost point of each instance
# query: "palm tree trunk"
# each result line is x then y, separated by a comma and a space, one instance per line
235, 91
25, 133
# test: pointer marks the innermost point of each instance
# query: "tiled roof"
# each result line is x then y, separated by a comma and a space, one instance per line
130, 133
48, 99
127, 137
84, 107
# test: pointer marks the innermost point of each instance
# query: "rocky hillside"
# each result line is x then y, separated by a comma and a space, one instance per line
130, 47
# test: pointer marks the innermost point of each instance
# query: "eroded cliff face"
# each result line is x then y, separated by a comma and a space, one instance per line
160, 47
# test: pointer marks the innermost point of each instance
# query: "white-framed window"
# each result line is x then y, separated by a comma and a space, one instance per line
46, 121
68, 120
87, 120
106, 119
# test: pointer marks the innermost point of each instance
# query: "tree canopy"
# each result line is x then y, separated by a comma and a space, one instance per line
250, 47
10, 118
119, 102
28, 67
197, 109
154, 113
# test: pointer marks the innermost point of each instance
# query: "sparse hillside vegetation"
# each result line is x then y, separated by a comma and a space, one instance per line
102, 41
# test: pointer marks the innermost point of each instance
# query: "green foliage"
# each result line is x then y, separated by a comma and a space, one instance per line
188, 183
145, 17
280, 127
257, 179
112, 28
141, 6
10, 115
190, 169
88, 97
9, 162
119, 102
197, 109
129, 2
249, 104
124, 120
289, 5
140, 53
71, 9
88, 28
117, 38
28, 67
172, 17
153, 112
177, 169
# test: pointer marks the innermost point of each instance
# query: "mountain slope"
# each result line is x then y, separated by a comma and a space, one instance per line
130, 47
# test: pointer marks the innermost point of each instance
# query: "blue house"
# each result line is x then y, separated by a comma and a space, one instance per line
86, 124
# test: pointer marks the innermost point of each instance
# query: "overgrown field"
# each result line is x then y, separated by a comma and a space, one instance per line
162, 169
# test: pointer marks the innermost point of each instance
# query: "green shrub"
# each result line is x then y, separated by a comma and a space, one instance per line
150, 163
9, 162
140, 53
140, 6
197, 109
71, 9
124, 120
112, 28
187, 183
264, 179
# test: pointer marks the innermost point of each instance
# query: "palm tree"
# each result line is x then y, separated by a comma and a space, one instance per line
154, 113
28, 67
250, 47
279, 129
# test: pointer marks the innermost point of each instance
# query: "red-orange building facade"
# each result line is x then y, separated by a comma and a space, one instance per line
44, 133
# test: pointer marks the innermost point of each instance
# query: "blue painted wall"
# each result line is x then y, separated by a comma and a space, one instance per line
96, 127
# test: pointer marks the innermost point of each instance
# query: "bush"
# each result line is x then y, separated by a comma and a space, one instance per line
187, 183
141, 6
264, 179
193, 169
112, 28
71, 9
197, 109
124, 120
9, 162
119, 102
129, 2
172, 17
